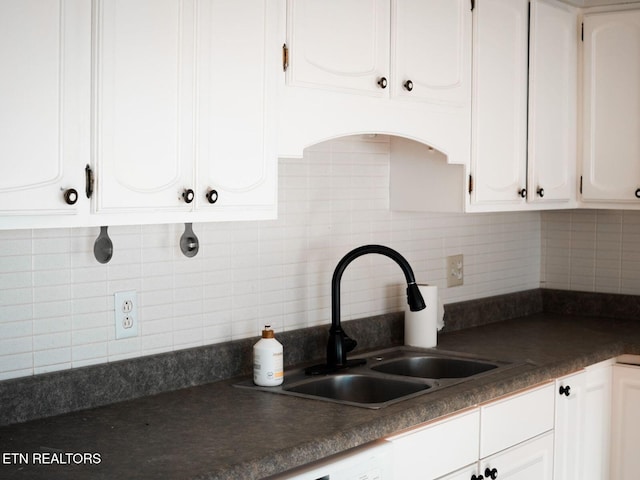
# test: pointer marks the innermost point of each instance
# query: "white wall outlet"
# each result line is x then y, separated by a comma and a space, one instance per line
455, 270
126, 314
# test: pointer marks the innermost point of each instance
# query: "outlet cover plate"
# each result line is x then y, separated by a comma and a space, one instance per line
126, 314
455, 270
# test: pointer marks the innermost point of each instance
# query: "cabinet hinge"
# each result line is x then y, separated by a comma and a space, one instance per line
470, 184
580, 184
582, 32
473, 4
285, 57
88, 181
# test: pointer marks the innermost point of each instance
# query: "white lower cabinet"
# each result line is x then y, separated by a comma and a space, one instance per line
596, 435
495, 440
625, 421
569, 426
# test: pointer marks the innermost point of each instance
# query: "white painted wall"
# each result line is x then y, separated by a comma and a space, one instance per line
56, 301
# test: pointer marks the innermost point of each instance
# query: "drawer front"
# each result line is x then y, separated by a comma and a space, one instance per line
438, 448
516, 418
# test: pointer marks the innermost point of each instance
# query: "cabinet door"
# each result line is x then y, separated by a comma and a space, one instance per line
431, 48
436, 449
338, 45
611, 110
569, 427
625, 422
531, 460
44, 105
553, 63
236, 153
597, 429
144, 149
499, 133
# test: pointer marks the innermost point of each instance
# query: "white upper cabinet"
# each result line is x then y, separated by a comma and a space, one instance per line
181, 95
420, 71
499, 135
144, 101
553, 114
44, 111
398, 67
339, 45
236, 158
525, 105
611, 109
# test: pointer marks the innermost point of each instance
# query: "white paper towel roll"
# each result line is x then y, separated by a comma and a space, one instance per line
421, 328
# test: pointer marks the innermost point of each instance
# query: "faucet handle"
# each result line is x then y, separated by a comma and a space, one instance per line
349, 343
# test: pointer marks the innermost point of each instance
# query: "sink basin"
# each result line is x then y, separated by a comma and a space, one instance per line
434, 367
357, 388
386, 377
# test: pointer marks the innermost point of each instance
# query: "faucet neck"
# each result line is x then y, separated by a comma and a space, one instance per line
351, 256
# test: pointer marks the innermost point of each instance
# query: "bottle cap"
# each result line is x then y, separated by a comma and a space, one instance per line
267, 332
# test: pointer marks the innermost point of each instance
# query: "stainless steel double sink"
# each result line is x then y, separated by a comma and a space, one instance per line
386, 377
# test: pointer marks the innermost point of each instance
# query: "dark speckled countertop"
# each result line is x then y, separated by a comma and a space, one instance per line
216, 431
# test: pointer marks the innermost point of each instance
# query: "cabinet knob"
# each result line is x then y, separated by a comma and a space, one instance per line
188, 195
71, 196
540, 192
212, 195
523, 193
382, 82
408, 85
638, 193
477, 477
566, 391
491, 473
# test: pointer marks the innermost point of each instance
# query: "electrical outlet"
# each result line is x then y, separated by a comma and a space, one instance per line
455, 270
126, 314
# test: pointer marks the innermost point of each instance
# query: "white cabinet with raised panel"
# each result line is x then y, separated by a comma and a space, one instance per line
611, 109
44, 111
399, 67
499, 134
553, 114
596, 439
569, 427
625, 421
181, 97
525, 90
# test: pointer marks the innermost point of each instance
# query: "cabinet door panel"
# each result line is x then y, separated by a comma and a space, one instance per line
569, 427
597, 432
499, 132
552, 101
431, 46
235, 144
44, 103
625, 422
338, 44
144, 100
611, 169
532, 460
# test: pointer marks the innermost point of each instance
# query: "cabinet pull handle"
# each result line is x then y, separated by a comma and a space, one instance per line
523, 193
188, 195
566, 391
212, 195
491, 473
382, 82
408, 85
540, 192
638, 193
71, 196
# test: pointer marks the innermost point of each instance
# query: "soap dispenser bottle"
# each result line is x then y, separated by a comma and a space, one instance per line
267, 360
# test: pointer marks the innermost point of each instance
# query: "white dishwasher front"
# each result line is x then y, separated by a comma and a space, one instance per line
372, 461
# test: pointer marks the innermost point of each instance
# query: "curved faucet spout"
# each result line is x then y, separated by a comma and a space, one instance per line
339, 343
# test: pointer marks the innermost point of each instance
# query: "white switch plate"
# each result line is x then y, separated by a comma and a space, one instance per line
126, 314
455, 270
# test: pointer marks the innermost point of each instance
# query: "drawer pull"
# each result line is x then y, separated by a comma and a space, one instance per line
566, 391
491, 473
